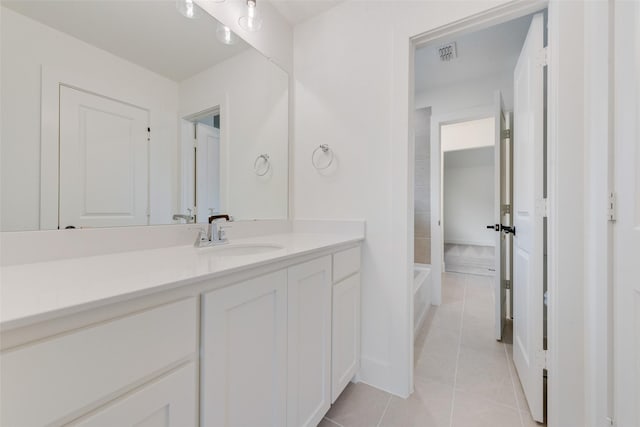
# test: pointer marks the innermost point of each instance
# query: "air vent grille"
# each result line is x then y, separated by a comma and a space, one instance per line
447, 52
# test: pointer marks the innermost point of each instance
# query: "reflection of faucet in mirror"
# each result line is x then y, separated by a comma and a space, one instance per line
187, 218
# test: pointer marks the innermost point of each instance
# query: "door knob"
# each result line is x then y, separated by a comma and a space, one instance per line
508, 230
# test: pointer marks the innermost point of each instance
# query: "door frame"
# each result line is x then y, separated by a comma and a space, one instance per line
565, 378
51, 80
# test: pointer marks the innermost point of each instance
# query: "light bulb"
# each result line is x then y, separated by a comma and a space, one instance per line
225, 35
187, 8
252, 21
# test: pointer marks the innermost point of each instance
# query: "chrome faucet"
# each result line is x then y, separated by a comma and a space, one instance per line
217, 234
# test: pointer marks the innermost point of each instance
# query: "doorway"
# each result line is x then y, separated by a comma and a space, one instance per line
469, 82
200, 168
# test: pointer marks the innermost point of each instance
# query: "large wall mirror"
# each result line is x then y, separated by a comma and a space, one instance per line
120, 113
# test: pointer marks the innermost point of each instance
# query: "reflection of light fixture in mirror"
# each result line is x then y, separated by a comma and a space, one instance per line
187, 8
225, 35
251, 22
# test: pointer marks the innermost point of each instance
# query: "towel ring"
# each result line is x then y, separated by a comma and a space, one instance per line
325, 149
262, 171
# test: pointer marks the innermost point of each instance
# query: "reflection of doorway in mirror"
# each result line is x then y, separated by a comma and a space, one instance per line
201, 165
104, 161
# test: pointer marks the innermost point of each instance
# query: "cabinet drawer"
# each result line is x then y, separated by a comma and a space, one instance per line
169, 401
65, 375
346, 263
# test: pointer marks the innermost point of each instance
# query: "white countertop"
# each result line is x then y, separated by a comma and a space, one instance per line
41, 291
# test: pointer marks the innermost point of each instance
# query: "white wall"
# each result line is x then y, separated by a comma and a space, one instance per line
28, 45
468, 134
470, 94
469, 196
253, 97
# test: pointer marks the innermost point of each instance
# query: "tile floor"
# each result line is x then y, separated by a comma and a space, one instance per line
463, 376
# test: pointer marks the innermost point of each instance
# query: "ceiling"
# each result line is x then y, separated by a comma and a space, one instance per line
151, 34
480, 54
296, 11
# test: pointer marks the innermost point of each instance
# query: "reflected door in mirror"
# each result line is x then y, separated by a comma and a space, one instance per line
207, 171
104, 161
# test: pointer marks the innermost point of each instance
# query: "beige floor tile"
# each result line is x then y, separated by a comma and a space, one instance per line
485, 375
360, 405
469, 411
428, 406
436, 363
328, 423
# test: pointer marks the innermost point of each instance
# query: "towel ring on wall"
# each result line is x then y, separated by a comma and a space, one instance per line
262, 168
325, 149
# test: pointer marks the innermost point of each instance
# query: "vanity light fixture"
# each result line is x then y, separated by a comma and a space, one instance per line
225, 35
187, 8
251, 21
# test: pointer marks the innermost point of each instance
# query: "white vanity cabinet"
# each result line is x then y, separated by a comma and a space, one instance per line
345, 348
79, 373
244, 359
309, 344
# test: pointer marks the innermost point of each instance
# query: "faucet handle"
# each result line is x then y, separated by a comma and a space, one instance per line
201, 239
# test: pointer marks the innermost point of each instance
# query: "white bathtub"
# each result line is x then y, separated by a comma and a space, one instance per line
422, 291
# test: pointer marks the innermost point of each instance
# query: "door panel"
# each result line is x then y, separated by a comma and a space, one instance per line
309, 332
528, 217
104, 161
244, 353
626, 234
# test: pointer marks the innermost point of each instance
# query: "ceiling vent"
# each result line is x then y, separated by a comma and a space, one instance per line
447, 52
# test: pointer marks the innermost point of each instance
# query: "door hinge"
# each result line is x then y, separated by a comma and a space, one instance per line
148, 134
612, 206
543, 57
506, 209
507, 284
506, 134
542, 359
544, 208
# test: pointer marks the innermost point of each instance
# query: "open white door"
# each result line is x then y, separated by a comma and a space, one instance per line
187, 167
501, 176
207, 171
104, 161
626, 234
528, 170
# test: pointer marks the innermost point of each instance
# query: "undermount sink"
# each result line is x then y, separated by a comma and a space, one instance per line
242, 249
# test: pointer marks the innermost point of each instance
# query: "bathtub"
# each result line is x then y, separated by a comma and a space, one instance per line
422, 290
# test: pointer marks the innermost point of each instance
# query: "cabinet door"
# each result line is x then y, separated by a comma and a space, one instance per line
345, 359
169, 401
244, 346
309, 331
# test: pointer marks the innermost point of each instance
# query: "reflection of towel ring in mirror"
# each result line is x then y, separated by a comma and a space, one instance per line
325, 149
264, 169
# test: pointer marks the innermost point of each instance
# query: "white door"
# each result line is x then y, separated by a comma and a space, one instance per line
170, 401
244, 354
528, 217
104, 161
500, 184
207, 171
309, 343
626, 267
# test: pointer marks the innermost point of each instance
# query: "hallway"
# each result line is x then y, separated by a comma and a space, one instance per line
463, 376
